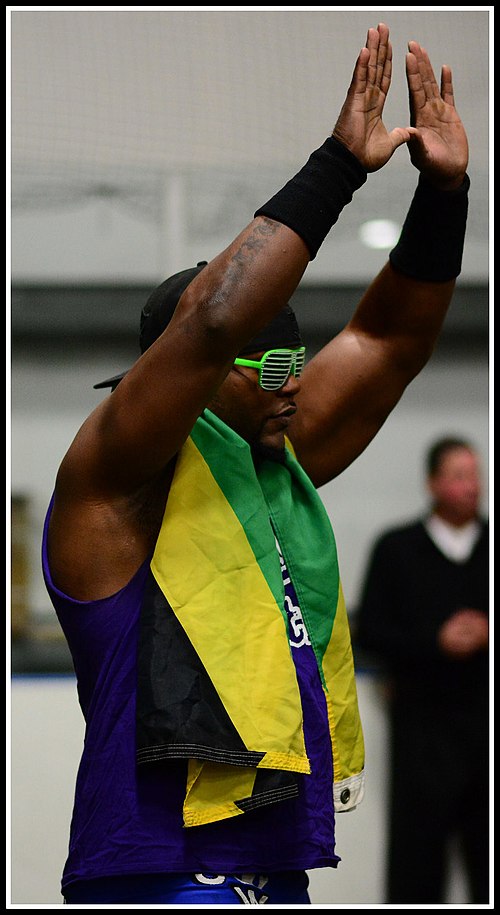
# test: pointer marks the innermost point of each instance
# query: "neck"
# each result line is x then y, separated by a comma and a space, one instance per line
453, 518
265, 453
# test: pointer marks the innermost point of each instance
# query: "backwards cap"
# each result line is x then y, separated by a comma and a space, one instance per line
283, 330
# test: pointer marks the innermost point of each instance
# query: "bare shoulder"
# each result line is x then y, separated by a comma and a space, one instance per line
97, 540
347, 391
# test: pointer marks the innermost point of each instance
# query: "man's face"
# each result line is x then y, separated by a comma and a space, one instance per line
261, 417
456, 485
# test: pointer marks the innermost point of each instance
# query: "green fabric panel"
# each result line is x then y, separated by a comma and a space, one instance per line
238, 480
308, 545
287, 496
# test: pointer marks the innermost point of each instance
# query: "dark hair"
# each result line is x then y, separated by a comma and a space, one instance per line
438, 451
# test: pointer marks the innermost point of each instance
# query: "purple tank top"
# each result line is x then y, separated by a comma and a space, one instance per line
128, 819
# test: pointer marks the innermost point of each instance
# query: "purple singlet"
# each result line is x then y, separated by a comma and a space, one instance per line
127, 819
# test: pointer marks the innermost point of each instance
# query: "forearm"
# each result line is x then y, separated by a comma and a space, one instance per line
242, 289
403, 318
386, 628
247, 284
431, 244
312, 201
406, 304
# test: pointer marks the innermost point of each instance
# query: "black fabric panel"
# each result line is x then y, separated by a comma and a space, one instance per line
179, 712
271, 785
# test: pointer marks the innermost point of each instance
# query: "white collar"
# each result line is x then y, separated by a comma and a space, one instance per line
456, 543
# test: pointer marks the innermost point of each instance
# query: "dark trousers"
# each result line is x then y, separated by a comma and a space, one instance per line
439, 789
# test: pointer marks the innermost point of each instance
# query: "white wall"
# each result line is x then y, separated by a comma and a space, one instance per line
129, 124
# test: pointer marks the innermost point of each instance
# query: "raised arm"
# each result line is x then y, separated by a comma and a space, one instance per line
134, 433
115, 474
351, 386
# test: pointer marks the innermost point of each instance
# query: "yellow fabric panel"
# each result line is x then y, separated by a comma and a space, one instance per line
221, 782
342, 701
203, 562
283, 761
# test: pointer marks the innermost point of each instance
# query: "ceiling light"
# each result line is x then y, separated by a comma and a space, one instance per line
379, 233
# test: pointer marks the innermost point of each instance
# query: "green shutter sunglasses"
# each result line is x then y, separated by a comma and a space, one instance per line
276, 366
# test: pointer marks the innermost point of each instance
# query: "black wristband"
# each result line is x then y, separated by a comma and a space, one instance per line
311, 202
431, 244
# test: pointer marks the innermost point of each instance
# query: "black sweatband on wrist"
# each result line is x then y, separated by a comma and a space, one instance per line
431, 244
311, 202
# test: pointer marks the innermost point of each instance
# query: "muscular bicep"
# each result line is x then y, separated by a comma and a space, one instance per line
138, 429
354, 382
348, 390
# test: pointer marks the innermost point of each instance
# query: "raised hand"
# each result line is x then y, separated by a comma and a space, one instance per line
360, 126
438, 146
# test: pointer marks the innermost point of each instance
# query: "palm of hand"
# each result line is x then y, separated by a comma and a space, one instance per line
360, 126
380, 144
438, 146
439, 150
436, 139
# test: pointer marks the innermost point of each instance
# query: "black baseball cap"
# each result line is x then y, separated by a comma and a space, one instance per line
283, 330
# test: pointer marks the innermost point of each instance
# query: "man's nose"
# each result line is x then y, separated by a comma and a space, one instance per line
290, 387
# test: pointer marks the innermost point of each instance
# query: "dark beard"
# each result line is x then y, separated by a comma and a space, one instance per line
266, 453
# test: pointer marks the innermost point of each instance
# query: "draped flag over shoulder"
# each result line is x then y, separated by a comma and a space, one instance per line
216, 679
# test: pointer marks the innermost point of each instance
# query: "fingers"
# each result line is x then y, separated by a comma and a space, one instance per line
387, 70
379, 63
401, 135
374, 64
417, 96
423, 73
358, 82
422, 84
447, 86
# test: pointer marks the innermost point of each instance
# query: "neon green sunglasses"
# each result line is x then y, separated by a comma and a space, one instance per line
276, 366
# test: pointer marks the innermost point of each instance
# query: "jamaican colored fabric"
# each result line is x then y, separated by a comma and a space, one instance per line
216, 679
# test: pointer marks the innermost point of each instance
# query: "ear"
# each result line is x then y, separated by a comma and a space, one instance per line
432, 486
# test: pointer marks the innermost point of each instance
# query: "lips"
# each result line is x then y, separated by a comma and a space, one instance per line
285, 415
289, 411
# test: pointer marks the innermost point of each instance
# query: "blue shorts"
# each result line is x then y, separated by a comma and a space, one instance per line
284, 887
